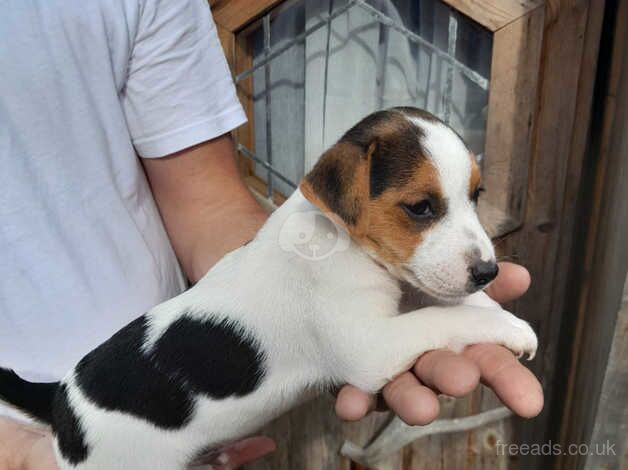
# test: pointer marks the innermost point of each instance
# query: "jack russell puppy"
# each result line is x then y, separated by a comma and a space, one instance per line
311, 302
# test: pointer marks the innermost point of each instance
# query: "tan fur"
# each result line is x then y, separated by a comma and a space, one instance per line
383, 227
355, 177
391, 233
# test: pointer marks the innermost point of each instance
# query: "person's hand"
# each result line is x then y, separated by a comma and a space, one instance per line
25, 447
413, 394
235, 455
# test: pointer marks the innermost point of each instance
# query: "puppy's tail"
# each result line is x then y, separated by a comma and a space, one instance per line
34, 399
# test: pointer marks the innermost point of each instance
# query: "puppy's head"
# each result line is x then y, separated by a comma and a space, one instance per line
405, 186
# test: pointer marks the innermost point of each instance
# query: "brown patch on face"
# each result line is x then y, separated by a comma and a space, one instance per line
392, 233
474, 180
376, 168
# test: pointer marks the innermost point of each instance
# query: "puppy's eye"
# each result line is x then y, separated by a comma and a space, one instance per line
419, 211
476, 194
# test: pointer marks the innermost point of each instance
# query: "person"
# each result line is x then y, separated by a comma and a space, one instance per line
93, 236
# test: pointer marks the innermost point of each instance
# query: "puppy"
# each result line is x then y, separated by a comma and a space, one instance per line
311, 302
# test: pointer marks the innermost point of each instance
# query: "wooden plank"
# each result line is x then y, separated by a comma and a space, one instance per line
511, 117
236, 57
606, 255
611, 421
227, 40
235, 14
259, 186
494, 14
571, 30
310, 436
243, 60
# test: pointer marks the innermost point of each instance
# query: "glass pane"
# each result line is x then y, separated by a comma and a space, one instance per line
319, 66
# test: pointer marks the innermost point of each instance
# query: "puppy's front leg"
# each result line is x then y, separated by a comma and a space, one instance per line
391, 345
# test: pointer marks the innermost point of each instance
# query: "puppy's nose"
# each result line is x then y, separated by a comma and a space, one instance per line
484, 272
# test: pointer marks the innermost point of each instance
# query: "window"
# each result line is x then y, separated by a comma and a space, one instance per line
308, 70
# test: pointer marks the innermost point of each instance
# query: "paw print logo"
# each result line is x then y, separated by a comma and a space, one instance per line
312, 236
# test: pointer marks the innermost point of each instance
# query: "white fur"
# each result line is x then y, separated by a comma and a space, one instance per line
441, 262
329, 320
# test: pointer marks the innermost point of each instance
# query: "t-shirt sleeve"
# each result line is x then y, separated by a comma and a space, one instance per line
179, 90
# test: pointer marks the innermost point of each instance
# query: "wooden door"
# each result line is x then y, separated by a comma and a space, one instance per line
513, 77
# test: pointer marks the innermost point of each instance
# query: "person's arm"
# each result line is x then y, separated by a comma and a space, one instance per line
25, 447
206, 208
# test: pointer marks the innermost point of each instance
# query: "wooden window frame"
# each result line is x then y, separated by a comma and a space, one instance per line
515, 26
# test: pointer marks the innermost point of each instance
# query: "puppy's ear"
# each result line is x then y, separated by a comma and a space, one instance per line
340, 183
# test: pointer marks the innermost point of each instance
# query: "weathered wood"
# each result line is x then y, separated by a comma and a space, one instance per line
611, 421
259, 186
562, 84
511, 117
235, 14
605, 262
494, 15
310, 436
398, 434
236, 59
227, 40
245, 134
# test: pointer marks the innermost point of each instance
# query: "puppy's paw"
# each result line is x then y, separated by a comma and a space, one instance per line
494, 325
517, 335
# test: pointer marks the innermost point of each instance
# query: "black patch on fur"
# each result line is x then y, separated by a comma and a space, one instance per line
363, 133
118, 376
398, 145
191, 357
395, 159
67, 428
398, 149
329, 177
33, 398
217, 359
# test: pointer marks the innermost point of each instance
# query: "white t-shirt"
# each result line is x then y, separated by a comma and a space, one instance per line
83, 86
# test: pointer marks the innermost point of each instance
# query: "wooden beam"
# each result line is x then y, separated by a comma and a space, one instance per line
606, 255
511, 117
544, 244
494, 14
611, 419
233, 15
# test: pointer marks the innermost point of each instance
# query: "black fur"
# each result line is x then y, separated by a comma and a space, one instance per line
217, 359
397, 149
191, 357
327, 178
362, 133
328, 184
117, 375
68, 429
398, 145
395, 160
35, 399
